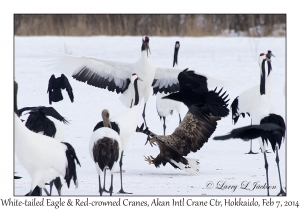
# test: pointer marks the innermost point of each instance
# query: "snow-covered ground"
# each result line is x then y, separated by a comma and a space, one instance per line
222, 164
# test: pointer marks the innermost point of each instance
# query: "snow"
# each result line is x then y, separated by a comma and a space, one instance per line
222, 164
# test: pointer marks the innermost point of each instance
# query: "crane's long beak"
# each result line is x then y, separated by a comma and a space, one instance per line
139, 79
269, 55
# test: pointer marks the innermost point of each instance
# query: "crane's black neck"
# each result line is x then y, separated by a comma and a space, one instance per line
175, 60
136, 102
145, 42
143, 47
263, 79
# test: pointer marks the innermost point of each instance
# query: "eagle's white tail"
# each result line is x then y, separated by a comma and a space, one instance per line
192, 166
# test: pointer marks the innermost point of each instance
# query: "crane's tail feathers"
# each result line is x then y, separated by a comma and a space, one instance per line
71, 168
224, 137
270, 131
76, 183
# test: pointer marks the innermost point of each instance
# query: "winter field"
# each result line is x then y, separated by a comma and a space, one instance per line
224, 166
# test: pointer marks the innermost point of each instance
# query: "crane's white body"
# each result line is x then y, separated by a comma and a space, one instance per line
97, 135
263, 107
146, 71
260, 111
248, 100
127, 122
59, 135
43, 157
164, 106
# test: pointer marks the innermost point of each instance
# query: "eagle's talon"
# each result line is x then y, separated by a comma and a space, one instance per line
149, 159
150, 142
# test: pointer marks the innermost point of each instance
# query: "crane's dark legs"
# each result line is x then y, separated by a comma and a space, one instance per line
277, 161
57, 183
131, 103
111, 185
250, 152
144, 115
121, 163
103, 189
145, 120
51, 186
266, 167
100, 189
164, 126
46, 191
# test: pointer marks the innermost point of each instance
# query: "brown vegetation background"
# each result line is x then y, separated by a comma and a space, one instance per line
150, 24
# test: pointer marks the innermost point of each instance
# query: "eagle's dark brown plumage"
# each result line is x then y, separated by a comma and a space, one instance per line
190, 136
205, 109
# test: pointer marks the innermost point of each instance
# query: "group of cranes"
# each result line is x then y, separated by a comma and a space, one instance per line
124, 124
43, 157
135, 81
40, 146
114, 76
266, 125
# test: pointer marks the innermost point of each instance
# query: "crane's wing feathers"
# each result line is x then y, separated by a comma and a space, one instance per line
20, 111
68, 87
113, 75
166, 80
245, 103
277, 137
50, 111
38, 122
251, 132
114, 126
